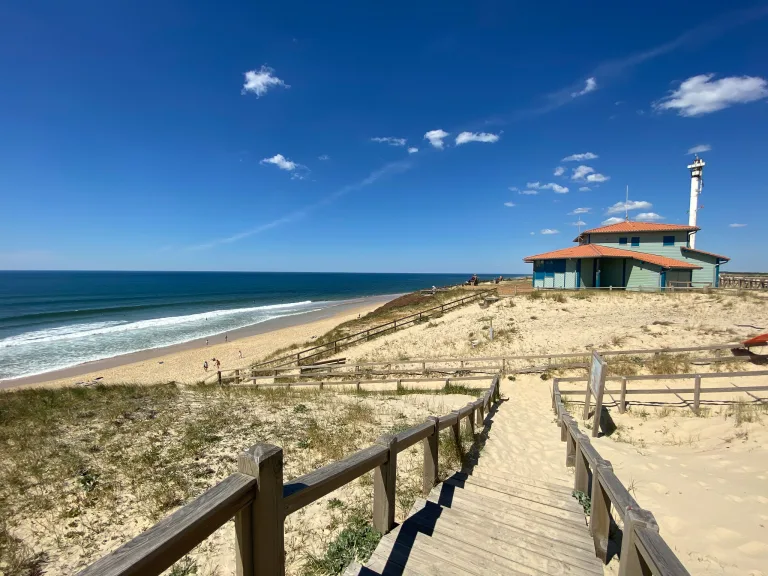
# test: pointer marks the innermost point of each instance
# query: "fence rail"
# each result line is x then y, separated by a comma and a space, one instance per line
259, 501
744, 281
643, 550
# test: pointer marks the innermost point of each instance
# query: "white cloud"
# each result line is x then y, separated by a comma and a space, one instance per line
513, 188
529, 192
584, 189
389, 140
559, 171
580, 172
509, 204
324, 157
281, 162
621, 207
465, 137
533, 233
597, 177
550, 231
612, 220
436, 137
261, 80
699, 149
580, 211
412, 150
648, 217
580, 157
579, 223
551, 186
737, 225
701, 95
589, 86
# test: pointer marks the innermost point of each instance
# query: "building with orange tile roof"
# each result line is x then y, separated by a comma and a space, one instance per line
631, 255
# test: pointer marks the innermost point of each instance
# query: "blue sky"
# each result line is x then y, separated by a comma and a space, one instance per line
251, 136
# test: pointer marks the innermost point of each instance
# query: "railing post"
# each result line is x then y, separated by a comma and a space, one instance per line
581, 475
219, 374
456, 428
237, 376
471, 420
600, 521
430, 444
632, 562
384, 484
696, 394
623, 397
259, 527
570, 447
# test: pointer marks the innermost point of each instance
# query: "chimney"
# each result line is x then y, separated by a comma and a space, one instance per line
697, 168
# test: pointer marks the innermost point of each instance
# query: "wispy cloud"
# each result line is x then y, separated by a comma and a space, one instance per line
436, 138
699, 149
559, 171
580, 172
580, 211
580, 157
550, 231
648, 217
513, 188
324, 157
260, 81
510, 204
550, 186
528, 192
701, 95
281, 162
597, 177
612, 220
579, 223
389, 140
737, 225
466, 137
621, 207
412, 150
589, 86
584, 189
387, 170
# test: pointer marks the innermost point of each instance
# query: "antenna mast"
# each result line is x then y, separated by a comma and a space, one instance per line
626, 205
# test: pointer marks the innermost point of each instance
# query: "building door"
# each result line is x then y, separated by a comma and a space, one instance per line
549, 274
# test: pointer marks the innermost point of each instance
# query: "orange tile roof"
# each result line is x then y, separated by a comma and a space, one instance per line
707, 253
598, 251
640, 227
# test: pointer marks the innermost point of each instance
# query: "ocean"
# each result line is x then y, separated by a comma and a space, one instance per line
54, 320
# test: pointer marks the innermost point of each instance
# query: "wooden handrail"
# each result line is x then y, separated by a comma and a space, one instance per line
643, 550
259, 501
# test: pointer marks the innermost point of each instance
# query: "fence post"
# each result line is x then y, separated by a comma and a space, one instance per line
696, 394
298, 359
581, 476
430, 444
384, 479
570, 447
600, 520
219, 373
237, 376
471, 420
456, 428
259, 526
632, 562
399, 385
623, 397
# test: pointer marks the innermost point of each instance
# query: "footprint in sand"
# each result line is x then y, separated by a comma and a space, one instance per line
673, 524
658, 488
734, 498
762, 499
721, 534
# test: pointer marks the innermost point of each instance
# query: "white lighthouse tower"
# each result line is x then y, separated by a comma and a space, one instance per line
697, 169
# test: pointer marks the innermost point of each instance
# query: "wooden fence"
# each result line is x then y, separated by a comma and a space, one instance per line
494, 363
259, 500
744, 281
696, 390
643, 550
364, 335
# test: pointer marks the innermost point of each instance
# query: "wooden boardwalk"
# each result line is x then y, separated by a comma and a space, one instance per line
510, 512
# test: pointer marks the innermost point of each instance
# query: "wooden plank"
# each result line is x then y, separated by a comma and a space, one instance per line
384, 483
259, 527
696, 394
310, 487
632, 561
156, 549
447, 420
651, 391
657, 553
600, 520
408, 438
497, 475
430, 446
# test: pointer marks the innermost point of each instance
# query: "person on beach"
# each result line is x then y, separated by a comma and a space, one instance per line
240, 354
226, 337
206, 341
205, 365
218, 365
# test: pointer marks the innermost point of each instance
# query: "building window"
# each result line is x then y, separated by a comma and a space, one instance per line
635, 240
622, 241
669, 240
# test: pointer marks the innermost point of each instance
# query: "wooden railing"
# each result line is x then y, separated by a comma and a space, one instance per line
465, 363
365, 335
744, 281
259, 501
696, 389
643, 550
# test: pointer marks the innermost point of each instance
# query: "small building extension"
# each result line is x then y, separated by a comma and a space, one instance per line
630, 255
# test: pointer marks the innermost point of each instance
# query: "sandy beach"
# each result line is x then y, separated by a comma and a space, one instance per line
184, 362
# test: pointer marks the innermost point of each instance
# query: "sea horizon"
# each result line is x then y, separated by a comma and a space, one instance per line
52, 320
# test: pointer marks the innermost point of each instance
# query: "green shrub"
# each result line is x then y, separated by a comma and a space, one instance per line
356, 541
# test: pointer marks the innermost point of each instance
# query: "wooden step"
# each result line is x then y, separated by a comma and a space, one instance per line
498, 475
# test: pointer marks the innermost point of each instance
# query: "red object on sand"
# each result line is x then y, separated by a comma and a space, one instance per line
760, 340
